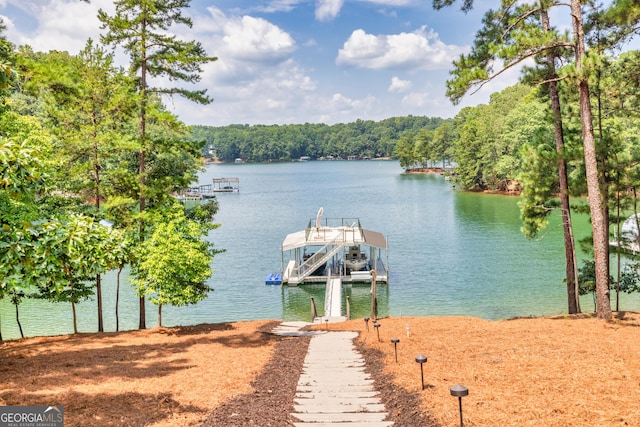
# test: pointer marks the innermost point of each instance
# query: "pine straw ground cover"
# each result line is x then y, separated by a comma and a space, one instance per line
558, 371
155, 377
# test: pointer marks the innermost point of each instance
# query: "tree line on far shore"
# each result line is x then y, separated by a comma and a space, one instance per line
267, 143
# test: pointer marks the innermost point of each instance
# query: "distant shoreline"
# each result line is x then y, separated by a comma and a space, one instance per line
439, 171
216, 161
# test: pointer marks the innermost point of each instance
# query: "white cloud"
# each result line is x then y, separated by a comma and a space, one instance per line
279, 6
398, 85
420, 49
272, 94
58, 24
326, 10
416, 100
256, 39
247, 48
389, 2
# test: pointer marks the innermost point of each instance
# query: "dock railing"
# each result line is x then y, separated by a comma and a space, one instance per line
322, 256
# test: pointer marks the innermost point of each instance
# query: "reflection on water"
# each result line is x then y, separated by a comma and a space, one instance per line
296, 301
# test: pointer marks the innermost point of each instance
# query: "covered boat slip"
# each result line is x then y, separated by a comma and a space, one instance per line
334, 247
226, 185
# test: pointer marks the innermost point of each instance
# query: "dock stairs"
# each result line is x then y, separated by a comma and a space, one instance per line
333, 389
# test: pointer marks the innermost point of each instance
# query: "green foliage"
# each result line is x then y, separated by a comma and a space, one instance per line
587, 277
540, 184
261, 143
141, 28
405, 151
488, 139
20, 168
629, 278
73, 251
202, 212
175, 261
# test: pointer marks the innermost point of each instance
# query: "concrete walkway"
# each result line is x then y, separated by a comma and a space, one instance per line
334, 389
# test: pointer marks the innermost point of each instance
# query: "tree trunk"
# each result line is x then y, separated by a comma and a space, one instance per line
99, 298
160, 315
600, 238
142, 324
619, 241
75, 320
117, 300
604, 173
571, 269
635, 212
96, 179
18, 320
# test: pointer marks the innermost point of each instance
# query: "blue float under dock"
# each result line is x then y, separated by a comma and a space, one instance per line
273, 279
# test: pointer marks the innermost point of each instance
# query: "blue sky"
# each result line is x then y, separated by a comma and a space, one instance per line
294, 61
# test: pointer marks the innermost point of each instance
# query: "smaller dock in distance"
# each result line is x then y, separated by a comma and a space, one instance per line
201, 192
226, 185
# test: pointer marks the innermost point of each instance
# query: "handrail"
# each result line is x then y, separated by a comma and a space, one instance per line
310, 265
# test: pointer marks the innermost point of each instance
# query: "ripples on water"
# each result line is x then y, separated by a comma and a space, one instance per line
450, 252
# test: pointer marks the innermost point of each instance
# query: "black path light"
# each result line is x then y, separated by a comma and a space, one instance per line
395, 342
366, 320
459, 391
326, 322
421, 358
377, 326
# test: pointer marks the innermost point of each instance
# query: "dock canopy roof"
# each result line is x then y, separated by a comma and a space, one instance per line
339, 235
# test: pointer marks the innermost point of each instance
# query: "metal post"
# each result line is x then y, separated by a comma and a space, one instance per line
421, 358
395, 342
459, 391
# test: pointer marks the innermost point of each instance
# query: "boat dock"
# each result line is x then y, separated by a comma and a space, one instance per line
201, 192
334, 247
226, 185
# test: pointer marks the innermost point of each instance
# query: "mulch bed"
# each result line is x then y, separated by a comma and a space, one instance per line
403, 406
271, 402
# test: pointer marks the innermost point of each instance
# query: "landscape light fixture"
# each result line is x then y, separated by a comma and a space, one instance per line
459, 391
326, 322
421, 358
366, 320
395, 342
377, 326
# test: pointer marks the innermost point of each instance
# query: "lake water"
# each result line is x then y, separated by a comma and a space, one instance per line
450, 252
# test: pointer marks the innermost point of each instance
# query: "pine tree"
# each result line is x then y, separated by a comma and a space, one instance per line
141, 28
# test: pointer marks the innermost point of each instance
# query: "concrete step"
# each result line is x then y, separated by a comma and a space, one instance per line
321, 400
319, 408
341, 417
314, 393
334, 388
348, 424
